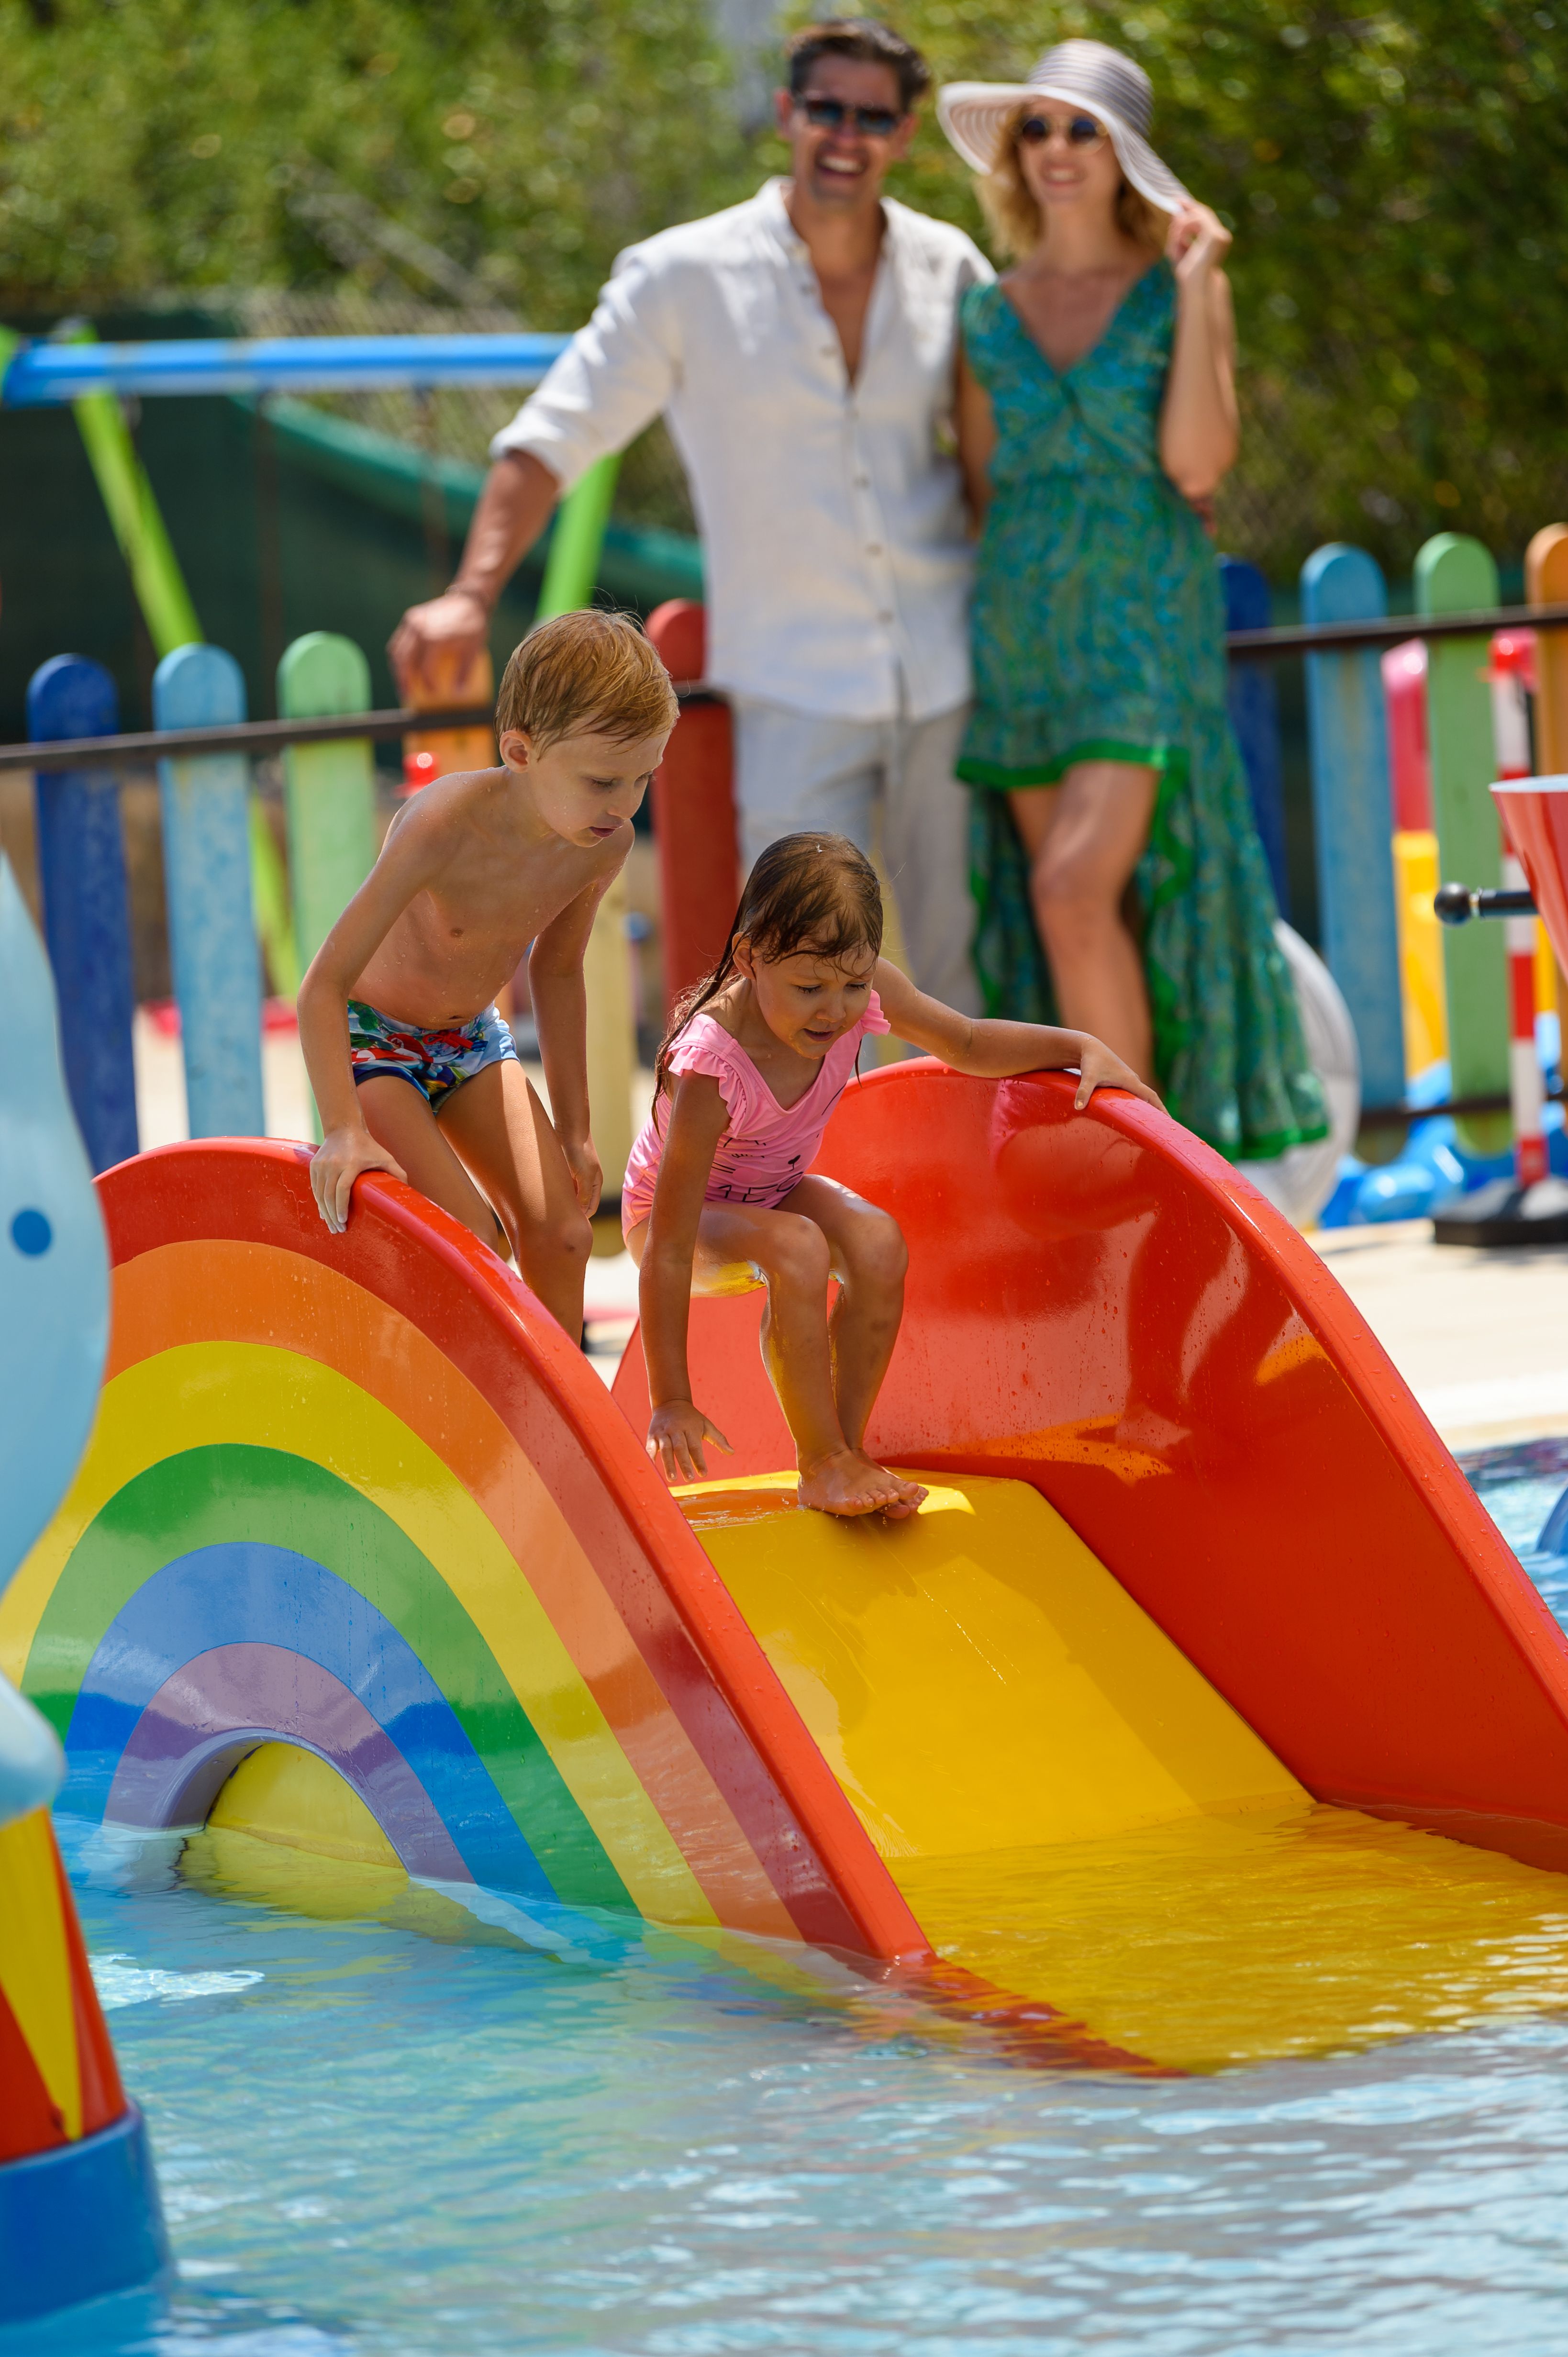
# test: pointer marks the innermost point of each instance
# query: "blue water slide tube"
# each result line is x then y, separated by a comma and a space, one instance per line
46, 375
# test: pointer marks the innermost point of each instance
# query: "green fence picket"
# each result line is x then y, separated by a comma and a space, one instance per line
329, 789
1456, 574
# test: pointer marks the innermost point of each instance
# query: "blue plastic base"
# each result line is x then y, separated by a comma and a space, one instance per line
81, 2222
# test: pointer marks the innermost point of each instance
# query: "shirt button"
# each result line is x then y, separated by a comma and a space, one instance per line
863, 482
874, 548
885, 617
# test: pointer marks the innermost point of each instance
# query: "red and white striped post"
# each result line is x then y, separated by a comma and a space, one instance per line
1512, 676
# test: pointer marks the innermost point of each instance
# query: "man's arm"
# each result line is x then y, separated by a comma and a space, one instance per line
612, 379
514, 507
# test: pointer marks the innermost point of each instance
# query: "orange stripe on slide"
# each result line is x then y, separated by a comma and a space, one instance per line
219, 1290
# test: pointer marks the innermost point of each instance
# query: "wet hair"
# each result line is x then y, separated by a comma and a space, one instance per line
585, 674
814, 893
863, 38
1014, 217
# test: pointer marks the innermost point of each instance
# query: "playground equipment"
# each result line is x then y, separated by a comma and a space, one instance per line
78, 2205
1199, 1621
1530, 1207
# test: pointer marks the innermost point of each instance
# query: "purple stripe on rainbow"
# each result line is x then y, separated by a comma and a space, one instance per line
223, 1703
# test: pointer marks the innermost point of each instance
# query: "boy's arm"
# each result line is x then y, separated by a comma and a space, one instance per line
347, 1147
677, 1428
995, 1050
561, 1018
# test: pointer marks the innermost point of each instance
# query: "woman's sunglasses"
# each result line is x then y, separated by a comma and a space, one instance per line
1079, 131
833, 114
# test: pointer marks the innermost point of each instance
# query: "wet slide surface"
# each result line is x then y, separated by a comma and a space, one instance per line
1076, 1816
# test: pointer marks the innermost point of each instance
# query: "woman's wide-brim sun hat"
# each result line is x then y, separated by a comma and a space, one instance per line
1112, 88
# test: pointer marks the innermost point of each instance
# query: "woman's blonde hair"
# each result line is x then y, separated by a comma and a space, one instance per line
1015, 217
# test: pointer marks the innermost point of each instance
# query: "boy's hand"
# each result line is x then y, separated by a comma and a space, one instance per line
1098, 1069
586, 1175
337, 1163
675, 1435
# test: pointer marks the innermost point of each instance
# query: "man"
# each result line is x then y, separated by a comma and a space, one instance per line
803, 348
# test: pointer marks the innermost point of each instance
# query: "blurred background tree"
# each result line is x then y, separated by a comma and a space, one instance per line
1396, 181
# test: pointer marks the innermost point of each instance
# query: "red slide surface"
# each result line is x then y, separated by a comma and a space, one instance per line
1098, 1306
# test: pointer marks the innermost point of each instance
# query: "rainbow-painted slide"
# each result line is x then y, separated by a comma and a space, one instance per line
1200, 1715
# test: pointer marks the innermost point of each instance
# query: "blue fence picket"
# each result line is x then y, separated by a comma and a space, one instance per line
1255, 716
207, 875
1353, 812
87, 922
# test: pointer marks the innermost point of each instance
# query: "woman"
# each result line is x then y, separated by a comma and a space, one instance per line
1097, 416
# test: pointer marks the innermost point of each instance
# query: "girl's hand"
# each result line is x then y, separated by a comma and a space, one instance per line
337, 1163
675, 1435
586, 1175
1198, 240
1098, 1069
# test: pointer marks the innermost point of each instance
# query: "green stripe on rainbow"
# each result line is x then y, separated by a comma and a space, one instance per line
219, 1495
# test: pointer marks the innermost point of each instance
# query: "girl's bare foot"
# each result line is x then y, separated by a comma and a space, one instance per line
847, 1481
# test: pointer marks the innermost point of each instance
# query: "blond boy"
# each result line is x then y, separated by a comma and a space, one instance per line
413, 1070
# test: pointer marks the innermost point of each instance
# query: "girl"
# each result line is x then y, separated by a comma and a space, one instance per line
1097, 417
718, 1196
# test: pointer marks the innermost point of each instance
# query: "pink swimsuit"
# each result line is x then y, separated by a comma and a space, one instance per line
768, 1147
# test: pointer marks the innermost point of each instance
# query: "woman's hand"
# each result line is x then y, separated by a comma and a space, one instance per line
337, 1163
1198, 240
588, 1176
1098, 1069
675, 1435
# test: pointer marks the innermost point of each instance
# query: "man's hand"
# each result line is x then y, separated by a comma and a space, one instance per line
1098, 1069
675, 1435
588, 1176
448, 635
337, 1163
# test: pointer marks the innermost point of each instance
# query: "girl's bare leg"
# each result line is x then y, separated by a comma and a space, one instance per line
739, 1247
1084, 837
502, 1135
869, 1257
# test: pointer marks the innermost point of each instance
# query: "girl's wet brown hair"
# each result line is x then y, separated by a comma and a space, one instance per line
807, 892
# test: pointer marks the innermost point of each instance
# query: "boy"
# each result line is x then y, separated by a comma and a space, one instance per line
414, 1071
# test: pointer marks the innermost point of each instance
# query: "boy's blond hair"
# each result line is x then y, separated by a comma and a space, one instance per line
585, 674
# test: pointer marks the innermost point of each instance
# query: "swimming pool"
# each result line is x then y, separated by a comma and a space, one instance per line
378, 2133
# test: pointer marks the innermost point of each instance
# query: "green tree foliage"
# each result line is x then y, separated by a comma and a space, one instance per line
149, 144
1397, 181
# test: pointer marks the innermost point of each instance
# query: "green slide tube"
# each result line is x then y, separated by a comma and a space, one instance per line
572, 567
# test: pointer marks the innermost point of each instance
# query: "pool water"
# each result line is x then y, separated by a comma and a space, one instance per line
387, 2128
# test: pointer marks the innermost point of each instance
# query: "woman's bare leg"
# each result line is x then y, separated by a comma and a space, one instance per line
739, 1247
502, 1135
1084, 837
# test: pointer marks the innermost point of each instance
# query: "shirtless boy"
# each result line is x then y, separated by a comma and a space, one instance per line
413, 1070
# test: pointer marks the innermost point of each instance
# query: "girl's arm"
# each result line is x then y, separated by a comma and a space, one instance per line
976, 430
1199, 429
561, 1018
676, 1429
409, 860
994, 1050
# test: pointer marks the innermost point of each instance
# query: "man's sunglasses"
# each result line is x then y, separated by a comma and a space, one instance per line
833, 114
1079, 131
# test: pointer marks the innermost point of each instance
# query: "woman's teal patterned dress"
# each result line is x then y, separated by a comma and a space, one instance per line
1098, 634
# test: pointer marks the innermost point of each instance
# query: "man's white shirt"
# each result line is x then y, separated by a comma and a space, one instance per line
835, 533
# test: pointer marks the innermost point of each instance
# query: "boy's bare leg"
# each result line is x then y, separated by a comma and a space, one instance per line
741, 1245
503, 1134
398, 1116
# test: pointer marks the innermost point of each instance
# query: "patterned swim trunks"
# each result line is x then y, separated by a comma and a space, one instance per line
435, 1061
